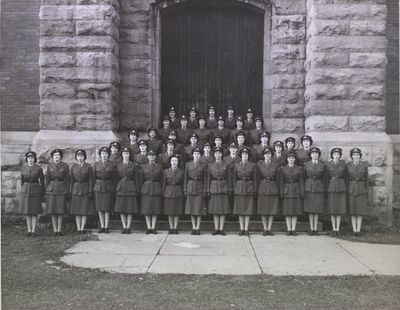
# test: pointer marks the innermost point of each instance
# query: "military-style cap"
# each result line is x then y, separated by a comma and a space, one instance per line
104, 149
30, 154
151, 153
211, 108
221, 118
116, 144
193, 109
315, 150
133, 132
194, 135
279, 143
306, 137
172, 132
202, 116
239, 118
80, 152
56, 151
166, 118
172, 109
175, 155
126, 149
258, 118
217, 137
151, 129
230, 107
336, 150
233, 145
290, 139
355, 150
249, 111
218, 149
264, 134
170, 141
268, 149
183, 117
143, 142
240, 133
291, 154
197, 149
206, 144
244, 150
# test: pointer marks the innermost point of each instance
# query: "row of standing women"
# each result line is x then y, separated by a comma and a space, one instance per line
221, 186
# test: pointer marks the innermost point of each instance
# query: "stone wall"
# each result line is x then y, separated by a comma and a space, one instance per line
346, 60
396, 170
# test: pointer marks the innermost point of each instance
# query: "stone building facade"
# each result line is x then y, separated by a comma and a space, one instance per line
325, 73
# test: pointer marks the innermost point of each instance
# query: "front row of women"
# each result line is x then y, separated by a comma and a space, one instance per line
218, 188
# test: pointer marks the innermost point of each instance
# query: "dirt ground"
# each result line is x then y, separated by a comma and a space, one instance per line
34, 278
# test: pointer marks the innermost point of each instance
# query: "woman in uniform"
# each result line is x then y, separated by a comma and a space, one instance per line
203, 132
183, 133
268, 194
278, 153
127, 191
104, 176
207, 157
172, 187
152, 176
32, 192
257, 131
81, 190
291, 190
290, 144
264, 143
315, 187
193, 122
175, 123
164, 158
141, 157
133, 137
211, 119
165, 130
194, 138
245, 190
239, 128
222, 132
194, 188
115, 148
337, 176
303, 153
153, 142
248, 123
230, 121
57, 187
357, 190
219, 188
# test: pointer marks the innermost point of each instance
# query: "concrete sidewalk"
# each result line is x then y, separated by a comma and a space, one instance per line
234, 255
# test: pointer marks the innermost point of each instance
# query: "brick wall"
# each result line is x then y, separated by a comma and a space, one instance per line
392, 75
19, 65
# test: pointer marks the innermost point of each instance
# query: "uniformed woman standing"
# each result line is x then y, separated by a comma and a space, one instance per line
127, 191
32, 192
193, 121
57, 187
194, 188
211, 119
151, 192
81, 190
357, 190
268, 194
115, 156
230, 120
264, 143
303, 153
204, 134
279, 158
245, 190
164, 158
207, 156
337, 176
219, 186
315, 187
290, 144
172, 187
141, 157
104, 176
133, 141
291, 190
257, 131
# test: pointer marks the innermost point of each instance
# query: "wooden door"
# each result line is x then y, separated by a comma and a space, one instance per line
212, 54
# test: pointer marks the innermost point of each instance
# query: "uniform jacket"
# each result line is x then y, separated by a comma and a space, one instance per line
183, 136
281, 161
230, 123
254, 136
155, 145
128, 179
193, 124
163, 134
81, 179
152, 176
180, 150
32, 181
337, 177
358, 178
245, 178
104, 177
140, 159
204, 134
212, 123
163, 159
224, 133
172, 184
115, 158
231, 161
315, 177
268, 178
195, 178
291, 181
175, 123
258, 149
248, 125
188, 152
246, 136
134, 148
218, 178
57, 178
302, 156
207, 160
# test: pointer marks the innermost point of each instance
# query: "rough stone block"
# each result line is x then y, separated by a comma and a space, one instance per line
344, 107
95, 12
311, 2
368, 60
378, 176
346, 76
96, 122
51, 121
136, 20
133, 36
81, 74
14, 148
326, 123
56, 28
97, 27
97, 59
367, 123
320, 60
328, 27
133, 96
367, 92
135, 51
78, 106
79, 43
287, 111
97, 91
288, 81
382, 155
349, 11
57, 59
56, 12
288, 96
347, 43
368, 28
134, 6
284, 36
11, 160
114, 3
10, 205
290, 7
292, 22
326, 92
135, 65
137, 79
56, 90
380, 196
288, 125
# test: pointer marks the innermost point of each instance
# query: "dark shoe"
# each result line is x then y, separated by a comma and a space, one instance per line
246, 233
60, 234
311, 232
270, 233
194, 232
29, 234
354, 234
123, 231
101, 230
241, 232
128, 231
294, 233
170, 232
316, 233
289, 233
215, 232
106, 230
153, 231
148, 231
33, 234
176, 231
198, 232
55, 234
264, 233
222, 232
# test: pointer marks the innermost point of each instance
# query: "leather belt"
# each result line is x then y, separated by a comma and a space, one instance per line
196, 179
357, 179
57, 179
219, 179
268, 179
246, 179
32, 181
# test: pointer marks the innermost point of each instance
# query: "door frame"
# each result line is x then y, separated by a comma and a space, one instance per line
155, 39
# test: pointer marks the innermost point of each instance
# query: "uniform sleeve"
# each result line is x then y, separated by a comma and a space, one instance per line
255, 179
366, 178
325, 178
281, 180
185, 179
22, 176
47, 176
91, 179
301, 179
278, 178
164, 182
140, 177
71, 181
41, 179
67, 177
208, 179
233, 177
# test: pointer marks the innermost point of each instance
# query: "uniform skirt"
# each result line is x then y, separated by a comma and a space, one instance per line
268, 205
126, 205
219, 204
336, 204
195, 205
292, 206
55, 204
151, 205
30, 205
243, 205
313, 202
82, 205
104, 201
173, 206
358, 205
